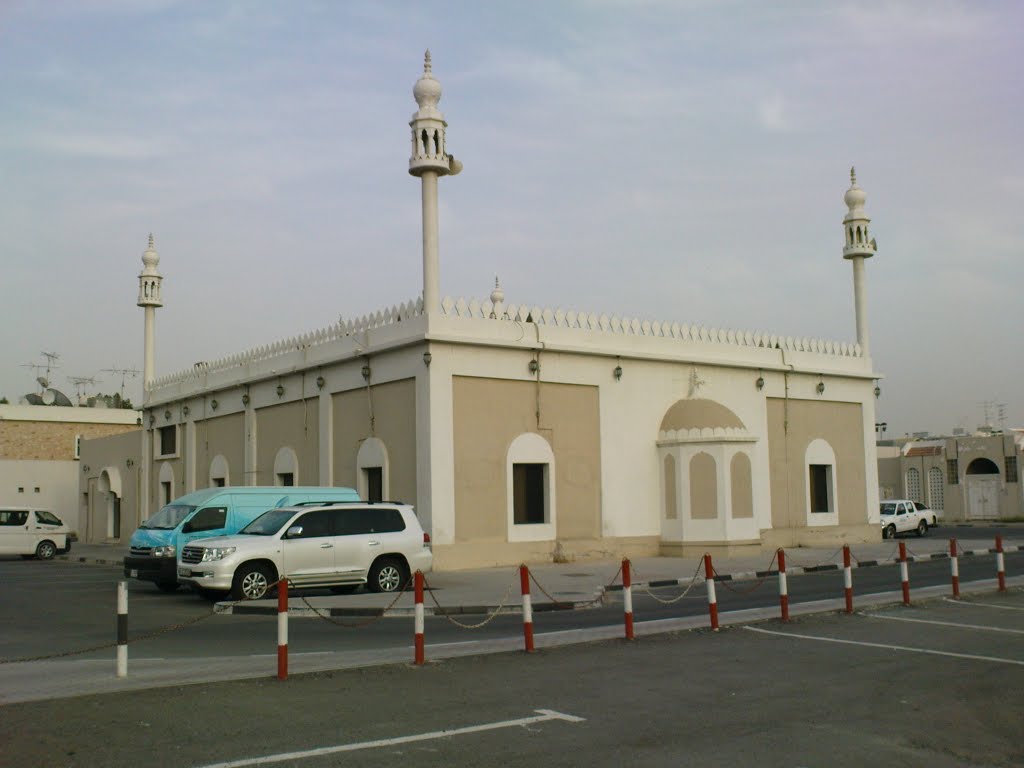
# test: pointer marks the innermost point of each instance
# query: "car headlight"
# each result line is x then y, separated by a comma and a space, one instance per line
163, 551
216, 553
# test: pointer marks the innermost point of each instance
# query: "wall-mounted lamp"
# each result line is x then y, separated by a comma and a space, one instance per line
129, 463
320, 381
617, 373
167, 415
245, 399
534, 366
366, 372
759, 383
214, 404
279, 389
185, 410
820, 387
85, 468
152, 419
427, 357
878, 391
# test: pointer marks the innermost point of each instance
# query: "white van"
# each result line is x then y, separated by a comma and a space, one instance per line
32, 533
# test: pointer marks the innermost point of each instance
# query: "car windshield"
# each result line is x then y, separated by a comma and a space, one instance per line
269, 523
47, 518
888, 508
169, 518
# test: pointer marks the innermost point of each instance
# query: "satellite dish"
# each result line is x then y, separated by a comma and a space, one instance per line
42, 381
49, 396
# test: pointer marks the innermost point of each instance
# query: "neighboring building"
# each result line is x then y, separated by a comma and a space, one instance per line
973, 477
40, 448
526, 434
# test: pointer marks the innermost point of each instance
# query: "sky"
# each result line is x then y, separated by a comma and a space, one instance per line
671, 160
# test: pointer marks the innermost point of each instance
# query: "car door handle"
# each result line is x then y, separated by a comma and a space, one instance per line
326, 545
374, 543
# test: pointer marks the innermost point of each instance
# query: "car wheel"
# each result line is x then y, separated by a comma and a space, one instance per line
387, 575
252, 582
889, 532
345, 589
922, 528
46, 550
167, 586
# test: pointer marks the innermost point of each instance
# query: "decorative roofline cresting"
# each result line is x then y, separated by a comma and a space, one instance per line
557, 318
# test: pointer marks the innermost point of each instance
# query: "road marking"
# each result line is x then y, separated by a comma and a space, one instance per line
945, 623
888, 647
984, 605
543, 716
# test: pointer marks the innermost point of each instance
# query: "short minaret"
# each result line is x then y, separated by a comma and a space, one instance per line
149, 299
430, 159
859, 246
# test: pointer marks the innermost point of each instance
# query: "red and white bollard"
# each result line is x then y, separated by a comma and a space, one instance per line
954, 568
1000, 565
904, 574
122, 629
847, 578
783, 586
282, 629
418, 582
627, 598
524, 583
709, 579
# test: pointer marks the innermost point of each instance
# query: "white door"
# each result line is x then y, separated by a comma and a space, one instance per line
309, 557
982, 497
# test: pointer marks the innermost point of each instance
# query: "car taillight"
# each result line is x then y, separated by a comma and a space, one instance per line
426, 539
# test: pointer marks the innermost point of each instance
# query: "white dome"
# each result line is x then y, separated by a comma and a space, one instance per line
855, 196
427, 90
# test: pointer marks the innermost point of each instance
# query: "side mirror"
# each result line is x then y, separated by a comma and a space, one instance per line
294, 532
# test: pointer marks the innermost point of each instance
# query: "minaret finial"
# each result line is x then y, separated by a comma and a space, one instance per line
151, 240
426, 62
853, 176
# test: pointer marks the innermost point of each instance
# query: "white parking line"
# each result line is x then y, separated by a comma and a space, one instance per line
542, 716
984, 605
945, 623
928, 651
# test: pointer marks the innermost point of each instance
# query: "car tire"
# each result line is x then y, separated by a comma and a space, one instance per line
252, 582
388, 574
167, 586
344, 589
922, 528
46, 550
67, 548
889, 532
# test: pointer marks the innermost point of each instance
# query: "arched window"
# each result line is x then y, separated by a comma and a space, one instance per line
741, 486
219, 474
982, 467
913, 484
373, 470
703, 487
820, 474
936, 489
286, 467
168, 492
530, 489
671, 506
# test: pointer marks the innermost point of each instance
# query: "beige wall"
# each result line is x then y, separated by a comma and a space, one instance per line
50, 440
790, 431
394, 424
225, 436
110, 454
295, 425
741, 480
483, 432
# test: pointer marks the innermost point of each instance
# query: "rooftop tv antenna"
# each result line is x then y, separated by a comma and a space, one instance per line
80, 382
125, 373
48, 366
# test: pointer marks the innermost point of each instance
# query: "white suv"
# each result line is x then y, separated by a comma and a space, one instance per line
341, 545
902, 516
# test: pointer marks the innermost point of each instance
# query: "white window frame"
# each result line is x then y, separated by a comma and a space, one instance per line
286, 462
219, 470
531, 448
820, 452
373, 453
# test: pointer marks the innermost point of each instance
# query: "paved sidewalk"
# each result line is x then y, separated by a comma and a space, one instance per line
560, 586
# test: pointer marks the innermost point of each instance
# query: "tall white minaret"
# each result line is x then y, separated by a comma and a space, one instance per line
149, 299
859, 246
429, 160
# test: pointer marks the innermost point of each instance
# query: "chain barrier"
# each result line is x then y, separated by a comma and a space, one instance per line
790, 560
357, 624
447, 614
646, 588
891, 556
759, 583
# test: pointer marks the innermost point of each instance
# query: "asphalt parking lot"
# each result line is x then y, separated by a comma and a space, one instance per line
935, 684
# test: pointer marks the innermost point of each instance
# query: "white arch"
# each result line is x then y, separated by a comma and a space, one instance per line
286, 462
110, 481
531, 448
820, 453
167, 476
373, 453
219, 470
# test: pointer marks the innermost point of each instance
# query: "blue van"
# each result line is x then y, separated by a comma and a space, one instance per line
210, 512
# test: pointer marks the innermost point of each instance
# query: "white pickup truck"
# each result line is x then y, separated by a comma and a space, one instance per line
903, 516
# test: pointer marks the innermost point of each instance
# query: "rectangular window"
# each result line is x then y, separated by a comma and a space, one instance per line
953, 471
168, 440
374, 483
218, 482
286, 478
78, 446
165, 493
820, 478
1011, 469
207, 519
13, 517
528, 494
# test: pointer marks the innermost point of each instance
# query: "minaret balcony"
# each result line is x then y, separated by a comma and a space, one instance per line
440, 165
859, 249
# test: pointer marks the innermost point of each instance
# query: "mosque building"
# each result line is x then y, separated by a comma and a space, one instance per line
521, 433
